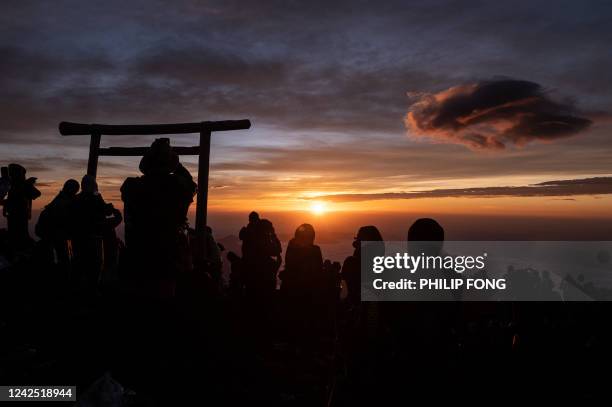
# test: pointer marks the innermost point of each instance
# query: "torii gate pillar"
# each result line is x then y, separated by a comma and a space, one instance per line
203, 171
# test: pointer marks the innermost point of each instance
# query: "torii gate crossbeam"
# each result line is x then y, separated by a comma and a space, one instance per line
96, 131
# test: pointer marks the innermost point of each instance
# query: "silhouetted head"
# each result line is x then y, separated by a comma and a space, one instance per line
71, 187
265, 226
159, 159
426, 229
367, 234
304, 235
16, 172
429, 231
89, 184
253, 217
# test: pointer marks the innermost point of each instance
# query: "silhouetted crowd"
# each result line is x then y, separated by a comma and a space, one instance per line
160, 295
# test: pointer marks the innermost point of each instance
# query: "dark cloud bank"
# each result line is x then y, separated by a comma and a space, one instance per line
572, 187
493, 114
299, 65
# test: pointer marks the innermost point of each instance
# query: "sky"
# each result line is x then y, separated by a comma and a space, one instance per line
445, 108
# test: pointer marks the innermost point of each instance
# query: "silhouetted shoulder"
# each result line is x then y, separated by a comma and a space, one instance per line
349, 262
129, 186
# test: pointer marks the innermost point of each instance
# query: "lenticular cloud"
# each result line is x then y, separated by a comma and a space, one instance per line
493, 114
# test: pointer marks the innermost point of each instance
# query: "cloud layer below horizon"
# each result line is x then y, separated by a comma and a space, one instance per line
559, 188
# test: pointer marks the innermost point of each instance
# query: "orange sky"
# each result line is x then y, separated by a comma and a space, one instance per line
311, 200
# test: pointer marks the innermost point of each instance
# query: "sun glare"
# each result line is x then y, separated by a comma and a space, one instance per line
318, 208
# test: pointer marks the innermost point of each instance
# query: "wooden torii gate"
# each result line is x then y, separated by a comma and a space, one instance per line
96, 131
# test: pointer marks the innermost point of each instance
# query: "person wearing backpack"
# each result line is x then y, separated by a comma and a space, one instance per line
54, 225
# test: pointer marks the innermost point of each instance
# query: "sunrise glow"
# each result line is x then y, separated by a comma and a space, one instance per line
318, 208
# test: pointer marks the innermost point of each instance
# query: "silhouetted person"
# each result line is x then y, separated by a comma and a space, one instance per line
54, 223
428, 234
303, 263
361, 320
156, 205
351, 268
261, 255
261, 259
249, 235
89, 222
303, 284
156, 255
429, 325
18, 205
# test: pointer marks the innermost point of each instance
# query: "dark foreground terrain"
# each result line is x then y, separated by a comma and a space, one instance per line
215, 350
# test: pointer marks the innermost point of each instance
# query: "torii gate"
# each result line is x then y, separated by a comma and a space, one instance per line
202, 151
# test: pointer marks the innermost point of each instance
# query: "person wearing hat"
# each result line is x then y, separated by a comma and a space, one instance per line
155, 212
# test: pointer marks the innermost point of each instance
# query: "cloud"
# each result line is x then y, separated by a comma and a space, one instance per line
572, 187
493, 114
191, 82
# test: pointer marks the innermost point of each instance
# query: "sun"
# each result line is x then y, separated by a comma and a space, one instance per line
318, 208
